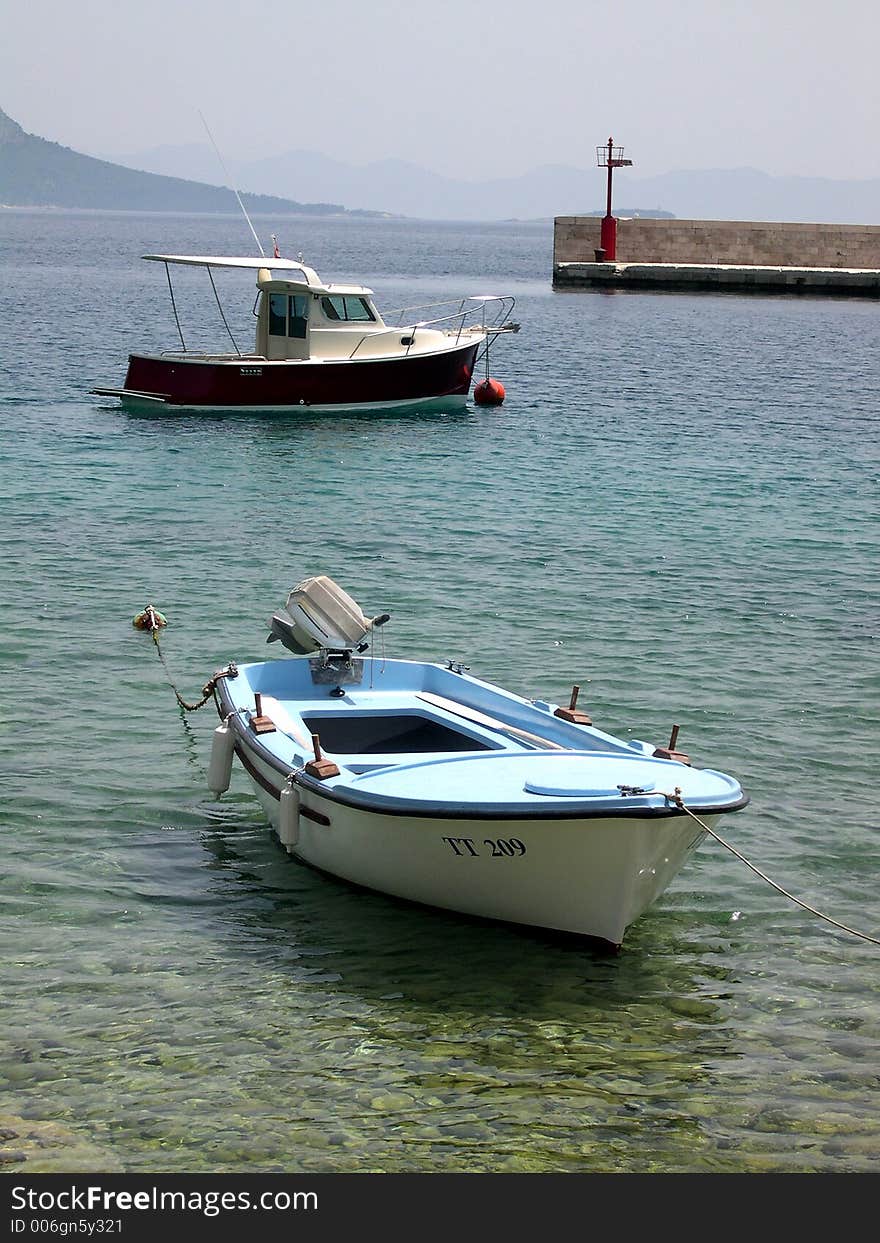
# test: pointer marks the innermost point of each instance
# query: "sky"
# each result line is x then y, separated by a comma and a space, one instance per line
473, 89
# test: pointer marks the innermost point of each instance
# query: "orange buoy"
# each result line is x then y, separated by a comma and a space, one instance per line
489, 392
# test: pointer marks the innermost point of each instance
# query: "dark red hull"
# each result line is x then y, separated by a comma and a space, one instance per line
252, 383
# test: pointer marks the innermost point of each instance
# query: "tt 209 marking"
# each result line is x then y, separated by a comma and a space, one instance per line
496, 848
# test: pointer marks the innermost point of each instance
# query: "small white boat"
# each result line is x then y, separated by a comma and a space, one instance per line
321, 346
421, 781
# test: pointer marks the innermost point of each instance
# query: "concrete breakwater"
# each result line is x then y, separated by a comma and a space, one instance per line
720, 254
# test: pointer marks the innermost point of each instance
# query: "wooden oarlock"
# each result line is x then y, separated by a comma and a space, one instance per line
261, 724
571, 713
670, 753
320, 766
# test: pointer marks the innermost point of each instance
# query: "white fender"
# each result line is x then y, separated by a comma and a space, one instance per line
220, 766
288, 817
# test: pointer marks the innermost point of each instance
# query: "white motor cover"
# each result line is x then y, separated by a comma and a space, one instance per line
325, 616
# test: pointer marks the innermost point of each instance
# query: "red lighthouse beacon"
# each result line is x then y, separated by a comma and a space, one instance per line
609, 157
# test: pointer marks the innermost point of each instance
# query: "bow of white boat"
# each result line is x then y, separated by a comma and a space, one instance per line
513, 782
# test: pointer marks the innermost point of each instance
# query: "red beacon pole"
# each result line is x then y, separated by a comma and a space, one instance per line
609, 157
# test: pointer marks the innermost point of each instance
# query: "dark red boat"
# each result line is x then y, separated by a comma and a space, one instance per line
320, 346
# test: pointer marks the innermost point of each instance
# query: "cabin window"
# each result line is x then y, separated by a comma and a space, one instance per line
288, 316
278, 314
347, 306
357, 308
299, 316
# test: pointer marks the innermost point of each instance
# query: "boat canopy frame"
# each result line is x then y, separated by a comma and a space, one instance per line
466, 312
221, 261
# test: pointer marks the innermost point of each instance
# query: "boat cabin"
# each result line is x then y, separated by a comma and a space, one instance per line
299, 317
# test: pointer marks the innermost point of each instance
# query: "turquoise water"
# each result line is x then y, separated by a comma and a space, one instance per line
676, 507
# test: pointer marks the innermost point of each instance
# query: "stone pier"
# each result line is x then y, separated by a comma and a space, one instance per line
724, 255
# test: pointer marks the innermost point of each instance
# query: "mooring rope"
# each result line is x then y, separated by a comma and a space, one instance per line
207, 690
153, 621
679, 802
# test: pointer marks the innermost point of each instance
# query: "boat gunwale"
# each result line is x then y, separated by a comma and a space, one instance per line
189, 358
246, 741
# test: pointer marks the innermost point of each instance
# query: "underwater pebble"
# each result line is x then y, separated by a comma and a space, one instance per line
50, 1148
392, 1101
837, 1124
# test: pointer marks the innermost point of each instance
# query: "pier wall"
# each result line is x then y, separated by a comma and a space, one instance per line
739, 242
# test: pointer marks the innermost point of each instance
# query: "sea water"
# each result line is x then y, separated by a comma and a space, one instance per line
675, 507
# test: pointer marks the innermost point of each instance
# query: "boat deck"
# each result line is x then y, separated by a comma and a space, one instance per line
408, 748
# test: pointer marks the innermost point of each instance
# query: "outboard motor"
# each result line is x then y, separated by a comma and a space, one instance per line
320, 617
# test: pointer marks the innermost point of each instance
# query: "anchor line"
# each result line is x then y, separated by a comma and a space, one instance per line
209, 690
680, 803
152, 621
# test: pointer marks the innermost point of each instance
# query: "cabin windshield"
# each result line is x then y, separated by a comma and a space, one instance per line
346, 307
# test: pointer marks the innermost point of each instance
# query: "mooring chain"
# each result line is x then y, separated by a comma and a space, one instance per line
153, 621
680, 803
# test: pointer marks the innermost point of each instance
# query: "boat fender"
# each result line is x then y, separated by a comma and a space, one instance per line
220, 766
288, 817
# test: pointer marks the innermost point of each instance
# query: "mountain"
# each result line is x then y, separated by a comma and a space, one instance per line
38, 173
748, 194
35, 172
550, 190
410, 189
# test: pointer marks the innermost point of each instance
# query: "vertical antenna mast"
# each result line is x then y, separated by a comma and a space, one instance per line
229, 179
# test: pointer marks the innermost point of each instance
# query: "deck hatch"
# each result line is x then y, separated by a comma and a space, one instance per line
383, 732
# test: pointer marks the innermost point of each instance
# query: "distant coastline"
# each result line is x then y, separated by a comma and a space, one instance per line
341, 214
37, 173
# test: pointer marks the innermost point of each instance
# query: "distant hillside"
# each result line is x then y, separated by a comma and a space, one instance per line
626, 213
749, 194
38, 173
541, 193
398, 186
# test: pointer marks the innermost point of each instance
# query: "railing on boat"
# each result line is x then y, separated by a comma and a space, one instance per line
466, 316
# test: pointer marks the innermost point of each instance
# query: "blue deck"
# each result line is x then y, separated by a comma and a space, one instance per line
414, 737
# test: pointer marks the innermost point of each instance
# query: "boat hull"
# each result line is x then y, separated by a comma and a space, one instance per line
254, 383
589, 876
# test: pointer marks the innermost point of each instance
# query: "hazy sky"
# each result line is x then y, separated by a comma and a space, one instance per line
472, 88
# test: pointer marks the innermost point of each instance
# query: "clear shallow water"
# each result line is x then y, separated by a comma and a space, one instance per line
675, 507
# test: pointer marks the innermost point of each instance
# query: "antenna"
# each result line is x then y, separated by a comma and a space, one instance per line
229, 179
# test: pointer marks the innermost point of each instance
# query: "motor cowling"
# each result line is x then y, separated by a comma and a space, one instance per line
320, 616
